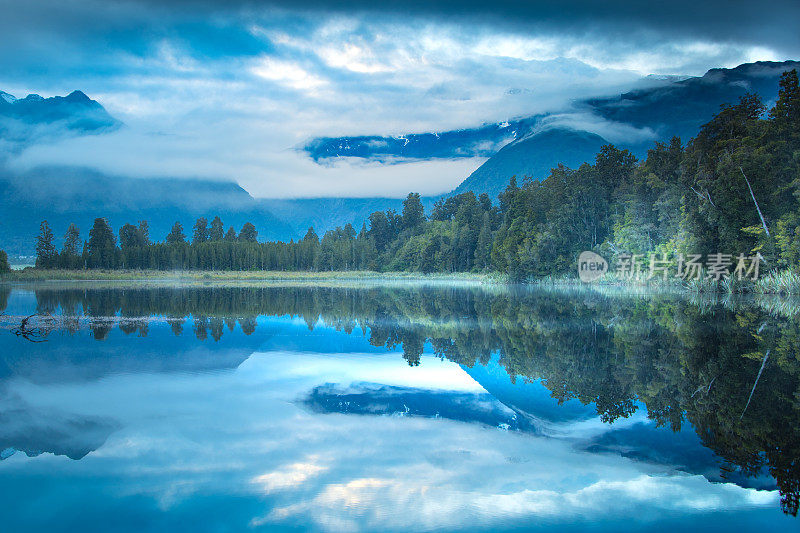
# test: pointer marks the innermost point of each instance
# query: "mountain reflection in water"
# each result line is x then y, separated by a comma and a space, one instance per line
695, 385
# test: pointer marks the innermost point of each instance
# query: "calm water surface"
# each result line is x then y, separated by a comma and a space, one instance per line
395, 407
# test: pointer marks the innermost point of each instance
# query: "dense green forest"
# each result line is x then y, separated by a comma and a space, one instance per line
733, 189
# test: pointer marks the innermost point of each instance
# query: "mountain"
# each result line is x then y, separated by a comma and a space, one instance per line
65, 195
34, 118
326, 213
533, 155
680, 108
538, 143
482, 141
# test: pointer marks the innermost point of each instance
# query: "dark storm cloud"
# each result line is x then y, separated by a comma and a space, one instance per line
768, 23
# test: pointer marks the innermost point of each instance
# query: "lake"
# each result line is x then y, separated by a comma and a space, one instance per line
395, 407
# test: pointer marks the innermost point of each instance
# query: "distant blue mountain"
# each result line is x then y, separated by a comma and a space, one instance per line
326, 213
483, 141
62, 195
65, 195
533, 155
34, 118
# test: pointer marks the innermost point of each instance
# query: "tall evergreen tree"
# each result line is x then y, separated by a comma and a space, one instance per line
200, 231
102, 246
72, 241
788, 105
176, 235
128, 236
46, 255
217, 232
230, 235
248, 233
413, 212
144, 233
4, 266
70, 252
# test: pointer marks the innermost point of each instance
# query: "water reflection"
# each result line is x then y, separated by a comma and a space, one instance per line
720, 374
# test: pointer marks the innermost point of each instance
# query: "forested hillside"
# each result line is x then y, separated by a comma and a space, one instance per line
733, 189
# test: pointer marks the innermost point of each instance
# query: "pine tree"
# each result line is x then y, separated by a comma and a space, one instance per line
230, 236
788, 105
200, 231
248, 233
4, 266
144, 233
102, 246
46, 254
72, 243
176, 235
217, 232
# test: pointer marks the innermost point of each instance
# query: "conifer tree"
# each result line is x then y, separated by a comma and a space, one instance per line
230, 236
176, 235
217, 232
4, 266
200, 231
46, 254
248, 233
102, 246
70, 257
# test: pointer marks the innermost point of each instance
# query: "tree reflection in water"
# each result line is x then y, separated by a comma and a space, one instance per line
730, 367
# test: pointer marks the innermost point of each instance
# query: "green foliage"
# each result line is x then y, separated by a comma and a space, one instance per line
101, 250
46, 254
734, 189
70, 256
248, 233
217, 232
4, 266
200, 232
176, 235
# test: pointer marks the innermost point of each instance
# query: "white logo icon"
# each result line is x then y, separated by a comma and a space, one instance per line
591, 266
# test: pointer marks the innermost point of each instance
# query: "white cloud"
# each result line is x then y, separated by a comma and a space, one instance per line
287, 73
240, 116
290, 476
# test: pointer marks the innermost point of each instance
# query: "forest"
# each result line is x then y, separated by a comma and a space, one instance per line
733, 189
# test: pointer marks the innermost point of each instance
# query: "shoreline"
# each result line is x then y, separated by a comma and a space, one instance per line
168, 276
783, 283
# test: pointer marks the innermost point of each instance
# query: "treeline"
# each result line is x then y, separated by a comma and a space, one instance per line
733, 189
393, 241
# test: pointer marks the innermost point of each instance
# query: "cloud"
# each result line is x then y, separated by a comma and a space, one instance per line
614, 132
288, 477
258, 156
228, 90
287, 73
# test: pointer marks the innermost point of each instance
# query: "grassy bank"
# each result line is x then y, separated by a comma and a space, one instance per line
32, 274
785, 282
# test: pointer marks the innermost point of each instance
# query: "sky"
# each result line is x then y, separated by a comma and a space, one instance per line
231, 90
